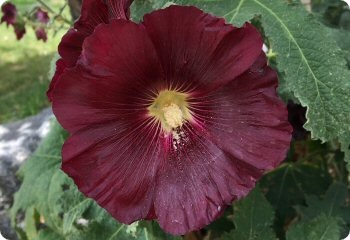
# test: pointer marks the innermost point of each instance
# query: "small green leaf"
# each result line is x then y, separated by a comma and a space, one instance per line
332, 205
253, 218
74, 213
288, 186
320, 228
290, 183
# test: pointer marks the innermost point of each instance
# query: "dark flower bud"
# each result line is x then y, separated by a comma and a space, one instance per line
42, 16
41, 34
20, 30
9, 13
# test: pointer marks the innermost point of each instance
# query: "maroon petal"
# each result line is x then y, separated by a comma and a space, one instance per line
197, 181
93, 13
106, 166
70, 47
103, 84
246, 117
60, 66
101, 156
119, 9
122, 48
196, 48
9, 13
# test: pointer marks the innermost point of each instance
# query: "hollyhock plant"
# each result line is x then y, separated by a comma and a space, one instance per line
170, 119
9, 13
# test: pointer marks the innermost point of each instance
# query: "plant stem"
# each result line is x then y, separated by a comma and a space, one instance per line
48, 8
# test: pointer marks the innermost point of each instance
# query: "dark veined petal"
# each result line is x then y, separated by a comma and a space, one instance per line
100, 155
131, 55
106, 165
197, 181
198, 49
93, 13
70, 47
60, 66
102, 84
119, 9
246, 117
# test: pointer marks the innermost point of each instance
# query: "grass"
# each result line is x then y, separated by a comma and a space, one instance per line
24, 70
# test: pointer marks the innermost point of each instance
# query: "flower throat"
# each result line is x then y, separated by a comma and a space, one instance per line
171, 109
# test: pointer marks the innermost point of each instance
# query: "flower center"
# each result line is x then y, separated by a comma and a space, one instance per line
173, 115
171, 109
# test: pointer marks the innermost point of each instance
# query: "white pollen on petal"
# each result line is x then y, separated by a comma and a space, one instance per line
173, 115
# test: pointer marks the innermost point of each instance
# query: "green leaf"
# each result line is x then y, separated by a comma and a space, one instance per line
48, 234
73, 214
315, 70
320, 228
31, 220
332, 205
140, 8
288, 185
253, 218
37, 174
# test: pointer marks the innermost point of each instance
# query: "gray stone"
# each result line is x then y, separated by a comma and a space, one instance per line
18, 141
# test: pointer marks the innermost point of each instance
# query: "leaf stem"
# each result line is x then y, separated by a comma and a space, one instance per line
48, 8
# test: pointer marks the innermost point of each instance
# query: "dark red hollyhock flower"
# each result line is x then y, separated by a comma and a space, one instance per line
93, 13
9, 13
20, 30
171, 119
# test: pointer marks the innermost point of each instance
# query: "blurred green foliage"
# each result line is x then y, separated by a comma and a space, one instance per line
24, 67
